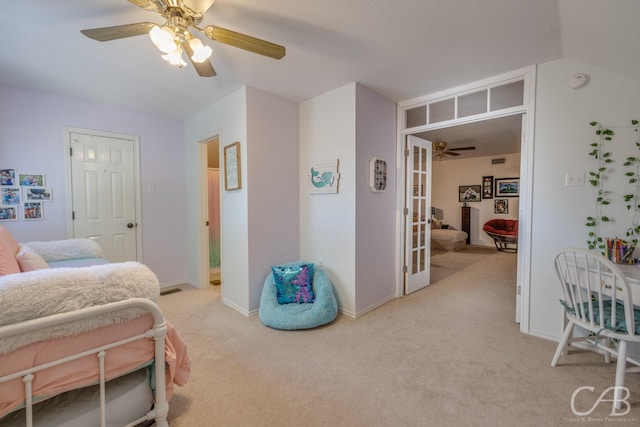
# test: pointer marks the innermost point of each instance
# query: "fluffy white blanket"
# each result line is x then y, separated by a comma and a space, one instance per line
56, 250
39, 293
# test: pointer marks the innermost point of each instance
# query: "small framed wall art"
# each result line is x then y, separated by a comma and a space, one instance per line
232, 171
8, 213
507, 187
377, 174
469, 193
324, 177
32, 211
487, 187
501, 206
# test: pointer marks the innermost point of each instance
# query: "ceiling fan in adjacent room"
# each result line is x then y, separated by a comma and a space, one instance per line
174, 36
440, 150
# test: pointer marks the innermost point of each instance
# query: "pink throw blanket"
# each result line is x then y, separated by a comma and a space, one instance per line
85, 371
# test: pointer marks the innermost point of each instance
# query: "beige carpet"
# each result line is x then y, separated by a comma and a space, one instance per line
448, 355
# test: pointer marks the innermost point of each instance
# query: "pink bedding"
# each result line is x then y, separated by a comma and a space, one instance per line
85, 371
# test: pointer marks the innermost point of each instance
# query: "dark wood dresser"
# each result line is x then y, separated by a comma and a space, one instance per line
466, 222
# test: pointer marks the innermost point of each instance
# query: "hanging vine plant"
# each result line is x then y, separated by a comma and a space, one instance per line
633, 199
603, 157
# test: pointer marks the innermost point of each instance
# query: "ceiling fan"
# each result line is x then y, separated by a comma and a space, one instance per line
174, 37
440, 150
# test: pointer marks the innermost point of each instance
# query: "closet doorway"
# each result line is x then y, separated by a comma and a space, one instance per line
213, 211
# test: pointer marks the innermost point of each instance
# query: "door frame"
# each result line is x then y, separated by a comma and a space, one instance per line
526, 177
67, 131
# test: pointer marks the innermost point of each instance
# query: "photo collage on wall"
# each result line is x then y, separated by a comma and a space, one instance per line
22, 195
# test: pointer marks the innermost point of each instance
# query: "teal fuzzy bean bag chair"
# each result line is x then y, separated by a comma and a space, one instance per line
297, 295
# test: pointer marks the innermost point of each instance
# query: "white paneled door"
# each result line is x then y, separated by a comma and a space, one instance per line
418, 215
103, 190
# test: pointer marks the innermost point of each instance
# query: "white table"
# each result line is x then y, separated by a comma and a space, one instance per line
632, 273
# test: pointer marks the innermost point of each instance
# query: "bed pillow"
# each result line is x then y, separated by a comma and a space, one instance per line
56, 250
8, 250
29, 260
294, 283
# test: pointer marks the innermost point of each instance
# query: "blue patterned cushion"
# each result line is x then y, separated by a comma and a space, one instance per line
294, 283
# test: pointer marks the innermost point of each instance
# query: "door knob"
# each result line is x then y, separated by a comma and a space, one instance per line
130, 225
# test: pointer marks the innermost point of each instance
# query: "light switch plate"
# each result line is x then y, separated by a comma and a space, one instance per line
573, 179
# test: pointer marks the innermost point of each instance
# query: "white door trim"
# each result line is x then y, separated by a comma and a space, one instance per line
67, 131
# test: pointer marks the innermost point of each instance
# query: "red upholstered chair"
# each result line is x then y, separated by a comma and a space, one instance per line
504, 233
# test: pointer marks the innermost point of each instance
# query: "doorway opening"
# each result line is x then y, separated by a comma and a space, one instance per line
213, 212
510, 94
489, 150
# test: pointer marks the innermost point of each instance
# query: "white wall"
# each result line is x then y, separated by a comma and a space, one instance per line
448, 175
253, 218
352, 233
227, 120
327, 221
32, 140
375, 211
562, 138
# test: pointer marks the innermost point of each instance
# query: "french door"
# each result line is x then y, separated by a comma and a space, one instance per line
417, 214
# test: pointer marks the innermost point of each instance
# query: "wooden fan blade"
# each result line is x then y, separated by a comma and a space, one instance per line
451, 153
204, 69
245, 42
118, 32
462, 148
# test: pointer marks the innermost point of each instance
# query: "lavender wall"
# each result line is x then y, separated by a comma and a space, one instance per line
32, 140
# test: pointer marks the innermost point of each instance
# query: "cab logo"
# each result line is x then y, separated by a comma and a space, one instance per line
624, 408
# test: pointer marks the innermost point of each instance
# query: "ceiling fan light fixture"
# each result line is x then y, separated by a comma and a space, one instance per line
175, 58
439, 149
200, 52
163, 38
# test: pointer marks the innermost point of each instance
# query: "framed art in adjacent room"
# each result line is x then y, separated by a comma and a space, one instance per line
507, 187
501, 206
487, 187
232, 171
469, 193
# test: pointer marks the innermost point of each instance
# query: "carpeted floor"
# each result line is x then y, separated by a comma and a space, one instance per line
447, 355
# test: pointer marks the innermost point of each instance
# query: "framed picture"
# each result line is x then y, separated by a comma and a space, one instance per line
323, 177
469, 193
377, 174
507, 187
33, 194
8, 213
8, 177
31, 180
32, 211
232, 171
10, 196
487, 187
501, 206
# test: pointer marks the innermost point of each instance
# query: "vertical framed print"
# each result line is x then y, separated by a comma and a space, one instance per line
377, 174
487, 187
232, 171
